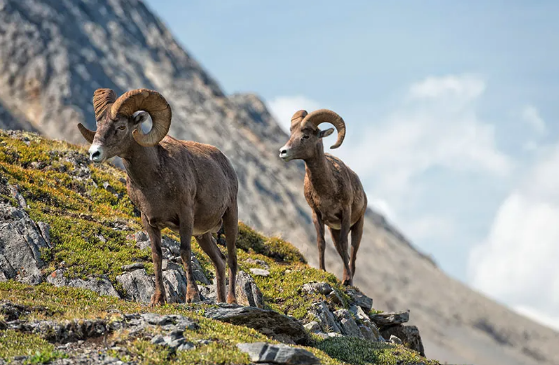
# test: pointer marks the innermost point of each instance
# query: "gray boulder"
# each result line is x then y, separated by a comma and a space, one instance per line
383, 320
100, 285
261, 352
247, 291
408, 334
347, 324
324, 317
278, 326
21, 241
360, 299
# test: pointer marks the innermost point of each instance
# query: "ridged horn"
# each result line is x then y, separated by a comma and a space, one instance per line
327, 116
151, 102
102, 101
298, 117
86, 133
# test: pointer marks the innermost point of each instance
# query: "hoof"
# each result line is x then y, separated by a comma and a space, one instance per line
231, 299
157, 299
348, 282
192, 297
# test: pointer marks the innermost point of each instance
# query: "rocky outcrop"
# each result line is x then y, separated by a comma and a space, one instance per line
408, 335
21, 242
278, 326
265, 353
247, 291
388, 319
100, 285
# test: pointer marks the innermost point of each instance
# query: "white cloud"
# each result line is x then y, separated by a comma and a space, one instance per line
436, 127
531, 116
428, 227
283, 108
463, 87
517, 262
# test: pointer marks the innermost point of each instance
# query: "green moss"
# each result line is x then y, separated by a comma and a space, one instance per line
359, 352
14, 344
251, 241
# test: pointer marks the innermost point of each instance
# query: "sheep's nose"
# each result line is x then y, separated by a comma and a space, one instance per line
283, 151
96, 153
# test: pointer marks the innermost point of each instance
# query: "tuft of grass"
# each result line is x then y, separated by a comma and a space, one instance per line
359, 351
14, 344
253, 242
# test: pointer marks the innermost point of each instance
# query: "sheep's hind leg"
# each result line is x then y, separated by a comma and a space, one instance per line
231, 228
155, 239
356, 234
341, 247
208, 245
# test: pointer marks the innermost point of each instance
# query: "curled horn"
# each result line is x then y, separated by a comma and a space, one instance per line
102, 100
298, 117
327, 116
151, 102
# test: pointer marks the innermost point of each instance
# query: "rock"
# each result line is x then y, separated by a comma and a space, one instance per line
313, 327
260, 272
261, 352
138, 286
21, 241
278, 326
335, 298
408, 334
395, 340
247, 291
174, 343
196, 270
174, 282
325, 317
137, 265
100, 285
383, 320
360, 299
314, 287
257, 262
368, 329
142, 240
347, 324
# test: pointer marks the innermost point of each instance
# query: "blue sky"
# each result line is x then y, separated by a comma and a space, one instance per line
451, 111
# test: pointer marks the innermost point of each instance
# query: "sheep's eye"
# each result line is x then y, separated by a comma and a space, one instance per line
305, 137
121, 128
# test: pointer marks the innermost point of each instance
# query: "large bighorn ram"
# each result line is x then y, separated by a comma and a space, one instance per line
187, 186
333, 191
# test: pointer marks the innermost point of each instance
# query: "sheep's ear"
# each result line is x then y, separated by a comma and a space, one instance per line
325, 133
140, 117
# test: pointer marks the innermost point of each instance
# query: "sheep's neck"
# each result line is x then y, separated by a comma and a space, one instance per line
319, 172
142, 165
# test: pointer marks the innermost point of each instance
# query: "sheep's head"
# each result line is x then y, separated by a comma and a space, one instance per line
306, 137
119, 122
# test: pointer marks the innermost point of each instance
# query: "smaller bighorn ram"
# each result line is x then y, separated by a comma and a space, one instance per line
186, 186
333, 191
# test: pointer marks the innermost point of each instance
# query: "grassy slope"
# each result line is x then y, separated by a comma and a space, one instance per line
83, 214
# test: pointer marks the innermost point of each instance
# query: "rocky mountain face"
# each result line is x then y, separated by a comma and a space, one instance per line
54, 54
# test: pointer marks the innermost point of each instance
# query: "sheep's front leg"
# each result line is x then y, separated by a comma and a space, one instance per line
155, 239
185, 229
320, 242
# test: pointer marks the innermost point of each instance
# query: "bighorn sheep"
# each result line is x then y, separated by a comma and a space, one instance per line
333, 191
186, 186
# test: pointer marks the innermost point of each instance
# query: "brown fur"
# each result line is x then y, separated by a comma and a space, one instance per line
333, 191
188, 187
